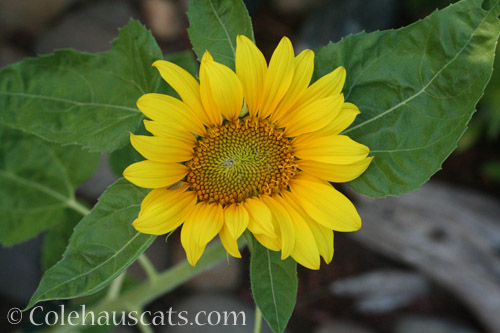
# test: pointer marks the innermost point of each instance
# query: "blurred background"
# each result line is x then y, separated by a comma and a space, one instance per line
428, 261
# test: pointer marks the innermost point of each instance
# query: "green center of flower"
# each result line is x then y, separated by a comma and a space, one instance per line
241, 159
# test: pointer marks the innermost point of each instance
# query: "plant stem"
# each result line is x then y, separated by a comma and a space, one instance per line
148, 266
258, 314
164, 282
249, 239
144, 328
115, 287
258, 320
78, 207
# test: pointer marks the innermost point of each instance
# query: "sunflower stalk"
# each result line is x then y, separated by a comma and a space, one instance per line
151, 289
258, 314
77, 207
115, 287
148, 267
137, 298
258, 320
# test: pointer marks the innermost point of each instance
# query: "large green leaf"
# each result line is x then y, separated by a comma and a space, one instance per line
274, 285
123, 157
102, 246
79, 98
38, 181
214, 25
417, 88
57, 238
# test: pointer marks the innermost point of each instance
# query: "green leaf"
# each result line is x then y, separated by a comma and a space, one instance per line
38, 181
274, 285
79, 98
102, 246
123, 157
56, 239
417, 88
214, 25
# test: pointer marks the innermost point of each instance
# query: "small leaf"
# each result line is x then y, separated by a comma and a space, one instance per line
79, 98
417, 88
38, 181
102, 246
214, 25
274, 285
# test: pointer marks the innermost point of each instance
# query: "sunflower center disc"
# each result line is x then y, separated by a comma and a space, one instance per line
241, 159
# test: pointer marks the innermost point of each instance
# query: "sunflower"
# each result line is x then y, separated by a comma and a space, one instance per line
254, 149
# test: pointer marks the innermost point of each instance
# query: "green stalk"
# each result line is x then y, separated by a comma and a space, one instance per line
164, 282
258, 314
136, 299
115, 287
148, 266
78, 207
258, 320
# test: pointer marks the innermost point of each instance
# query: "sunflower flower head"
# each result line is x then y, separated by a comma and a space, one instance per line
252, 149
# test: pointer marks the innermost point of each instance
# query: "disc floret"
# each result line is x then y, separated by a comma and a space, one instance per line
240, 159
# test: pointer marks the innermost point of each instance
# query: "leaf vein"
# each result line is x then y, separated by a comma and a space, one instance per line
223, 27
423, 89
63, 100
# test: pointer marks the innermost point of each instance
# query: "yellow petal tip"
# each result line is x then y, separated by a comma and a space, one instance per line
158, 63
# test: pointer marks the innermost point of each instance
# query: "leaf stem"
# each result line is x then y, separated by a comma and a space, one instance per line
115, 287
249, 238
258, 314
144, 328
258, 320
148, 266
78, 207
140, 325
165, 281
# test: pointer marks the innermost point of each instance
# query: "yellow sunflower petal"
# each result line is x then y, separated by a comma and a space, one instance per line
229, 242
151, 174
305, 251
162, 149
278, 77
207, 220
334, 149
165, 211
324, 239
322, 235
343, 120
286, 227
192, 248
325, 204
251, 69
184, 84
207, 97
313, 116
236, 219
328, 85
337, 173
169, 130
260, 217
168, 109
272, 243
154, 195
221, 85
304, 67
